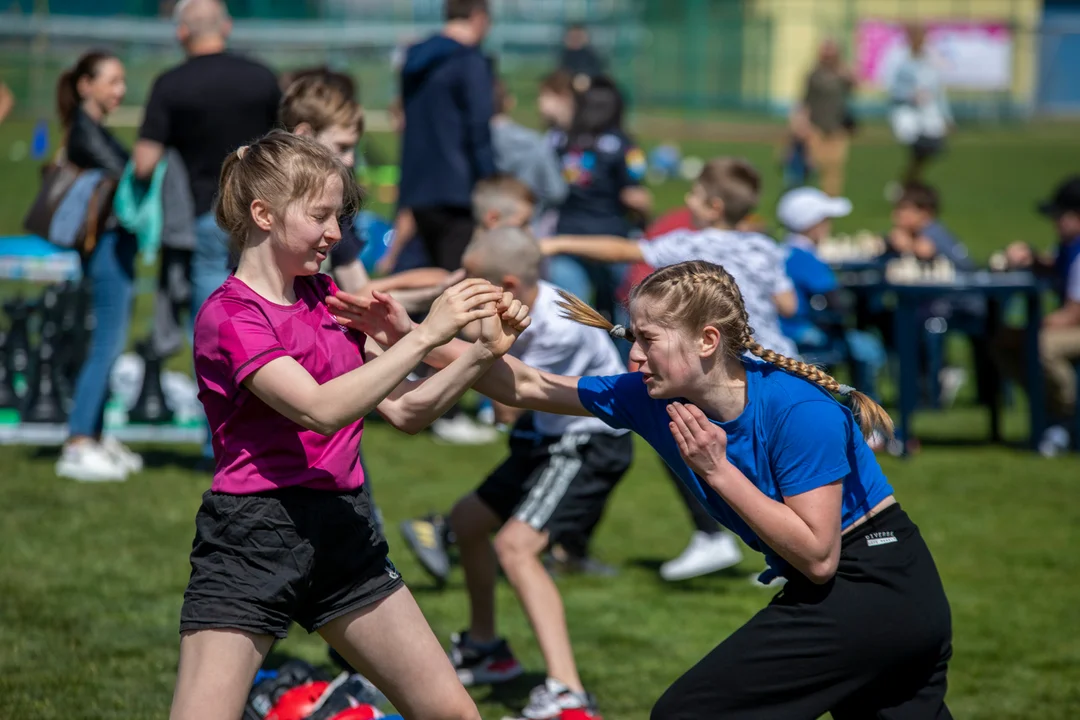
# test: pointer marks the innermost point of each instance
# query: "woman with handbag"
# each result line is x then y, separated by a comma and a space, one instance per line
85, 95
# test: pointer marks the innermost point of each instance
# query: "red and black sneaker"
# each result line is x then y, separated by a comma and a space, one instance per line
486, 664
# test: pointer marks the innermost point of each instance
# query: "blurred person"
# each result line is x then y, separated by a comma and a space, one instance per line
7, 101
85, 96
578, 57
807, 214
921, 116
1059, 338
205, 108
557, 480
917, 228
825, 117
555, 103
446, 93
524, 154
605, 170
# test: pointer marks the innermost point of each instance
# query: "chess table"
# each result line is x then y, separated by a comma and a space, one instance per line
996, 288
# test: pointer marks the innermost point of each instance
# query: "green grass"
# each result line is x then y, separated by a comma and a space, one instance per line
92, 577
92, 580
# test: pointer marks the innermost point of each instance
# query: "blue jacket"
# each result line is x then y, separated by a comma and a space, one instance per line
447, 94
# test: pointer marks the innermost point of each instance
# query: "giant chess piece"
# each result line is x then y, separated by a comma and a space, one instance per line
150, 408
18, 342
43, 403
70, 353
8, 397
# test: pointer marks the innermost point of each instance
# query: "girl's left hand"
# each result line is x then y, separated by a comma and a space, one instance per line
702, 444
376, 314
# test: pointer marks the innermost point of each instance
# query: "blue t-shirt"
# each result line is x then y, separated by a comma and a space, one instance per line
596, 176
810, 276
792, 437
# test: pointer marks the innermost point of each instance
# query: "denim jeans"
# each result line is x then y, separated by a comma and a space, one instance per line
209, 261
209, 269
110, 272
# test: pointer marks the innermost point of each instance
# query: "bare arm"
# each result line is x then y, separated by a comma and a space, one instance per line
351, 277
1066, 316
787, 303
804, 529
637, 198
602, 248
286, 386
147, 155
509, 381
414, 405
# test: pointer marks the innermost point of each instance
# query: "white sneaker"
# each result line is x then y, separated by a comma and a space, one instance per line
706, 553
950, 380
89, 462
122, 454
461, 430
1054, 441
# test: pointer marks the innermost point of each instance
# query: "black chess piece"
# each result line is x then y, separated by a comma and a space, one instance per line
151, 407
18, 342
69, 355
42, 403
8, 397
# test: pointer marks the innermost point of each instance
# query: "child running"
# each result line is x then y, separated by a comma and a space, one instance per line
556, 480
725, 193
862, 628
286, 533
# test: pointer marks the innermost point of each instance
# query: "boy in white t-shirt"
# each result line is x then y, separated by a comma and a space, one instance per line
725, 193
557, 478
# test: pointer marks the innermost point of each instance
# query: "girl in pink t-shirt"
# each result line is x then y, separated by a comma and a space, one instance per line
287, 533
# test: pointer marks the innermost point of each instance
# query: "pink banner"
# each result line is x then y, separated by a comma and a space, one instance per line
972, 55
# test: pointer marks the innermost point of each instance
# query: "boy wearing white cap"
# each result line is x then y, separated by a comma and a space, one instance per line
807, 213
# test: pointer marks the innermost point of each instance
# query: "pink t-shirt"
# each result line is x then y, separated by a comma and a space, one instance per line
256, 448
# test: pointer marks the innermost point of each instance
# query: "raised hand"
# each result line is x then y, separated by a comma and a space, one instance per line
376, 314
498, 332
702, 444
469, 300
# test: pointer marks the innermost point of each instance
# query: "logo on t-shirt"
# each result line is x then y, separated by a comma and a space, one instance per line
636, 164
391, 570
880, 538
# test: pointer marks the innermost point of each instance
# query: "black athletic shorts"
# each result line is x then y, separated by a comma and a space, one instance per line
557, 483
262, 561
446, 232
873, 642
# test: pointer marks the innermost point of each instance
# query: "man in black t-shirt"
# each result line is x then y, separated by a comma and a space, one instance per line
205, 108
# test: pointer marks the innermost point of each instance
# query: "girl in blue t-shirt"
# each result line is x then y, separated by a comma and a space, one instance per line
862, 628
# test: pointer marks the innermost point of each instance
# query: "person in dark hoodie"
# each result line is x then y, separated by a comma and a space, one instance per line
446, 91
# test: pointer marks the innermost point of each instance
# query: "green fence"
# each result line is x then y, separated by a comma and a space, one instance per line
671, 55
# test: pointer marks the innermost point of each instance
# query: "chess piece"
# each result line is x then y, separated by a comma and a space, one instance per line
150, 408
18, 355
68, 357
43, 403
8, 397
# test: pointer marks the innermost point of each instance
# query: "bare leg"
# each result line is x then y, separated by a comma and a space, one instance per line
518, 546
473, 522
216, 670
391, 643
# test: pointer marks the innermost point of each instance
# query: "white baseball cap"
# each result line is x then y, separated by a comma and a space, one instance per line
803, 208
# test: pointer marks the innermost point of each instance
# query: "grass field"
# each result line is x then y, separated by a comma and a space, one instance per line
92, 577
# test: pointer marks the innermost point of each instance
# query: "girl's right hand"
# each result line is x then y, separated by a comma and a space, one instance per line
468, 301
